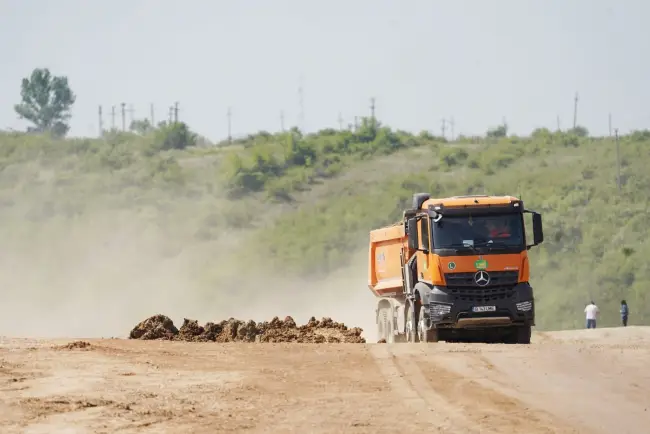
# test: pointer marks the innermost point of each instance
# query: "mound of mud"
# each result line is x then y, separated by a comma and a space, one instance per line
156, 327
160, 327
76, 345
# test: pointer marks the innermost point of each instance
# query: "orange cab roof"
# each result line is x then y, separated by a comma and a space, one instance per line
469, 200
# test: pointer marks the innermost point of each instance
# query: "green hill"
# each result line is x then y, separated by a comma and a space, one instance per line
113, 228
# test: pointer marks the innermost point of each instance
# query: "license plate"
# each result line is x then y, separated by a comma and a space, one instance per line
484, 308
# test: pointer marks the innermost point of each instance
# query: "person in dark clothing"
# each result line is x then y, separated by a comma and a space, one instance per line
625, 311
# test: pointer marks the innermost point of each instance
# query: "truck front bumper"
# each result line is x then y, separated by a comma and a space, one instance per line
449, 311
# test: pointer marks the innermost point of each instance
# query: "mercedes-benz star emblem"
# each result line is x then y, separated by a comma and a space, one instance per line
482, 278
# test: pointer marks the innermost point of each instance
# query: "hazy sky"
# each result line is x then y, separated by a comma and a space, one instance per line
476, 61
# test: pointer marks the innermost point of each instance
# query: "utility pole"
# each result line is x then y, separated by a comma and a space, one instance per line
610, 124
356, 123
557, 119
575, 111
451, 125
444, 127
112, 117
372, 110
301, 104
123, 116
229, 125
153, 120
101, 122
618, 162
340, 122
176, 112
282, 120
131, 114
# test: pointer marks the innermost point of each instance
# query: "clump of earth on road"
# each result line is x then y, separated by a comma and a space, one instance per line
76, 345
160, 327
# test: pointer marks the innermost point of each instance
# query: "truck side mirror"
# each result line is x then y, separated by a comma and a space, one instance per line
538, 230
412, 228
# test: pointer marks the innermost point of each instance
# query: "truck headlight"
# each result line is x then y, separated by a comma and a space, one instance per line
524, 306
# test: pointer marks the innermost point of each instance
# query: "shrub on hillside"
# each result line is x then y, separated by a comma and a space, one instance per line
176, 135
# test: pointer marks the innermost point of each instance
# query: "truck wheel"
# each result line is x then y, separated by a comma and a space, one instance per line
390, 332
381, 327
523, 335
411, 324
425, 335
385, 326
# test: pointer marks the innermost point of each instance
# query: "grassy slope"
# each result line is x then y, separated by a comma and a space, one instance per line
178, 208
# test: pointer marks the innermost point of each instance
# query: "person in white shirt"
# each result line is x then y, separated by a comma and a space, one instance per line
591, 312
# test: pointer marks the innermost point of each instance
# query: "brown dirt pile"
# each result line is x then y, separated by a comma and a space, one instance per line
160, 327
76, 345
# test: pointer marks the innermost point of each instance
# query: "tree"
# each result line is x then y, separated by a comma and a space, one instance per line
141, 126
176, 135
46, 102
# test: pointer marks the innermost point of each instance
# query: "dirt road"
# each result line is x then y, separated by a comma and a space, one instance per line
591, 381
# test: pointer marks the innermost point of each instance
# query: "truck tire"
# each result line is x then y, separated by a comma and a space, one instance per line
424, 334
390, 332
523, 335
385, 326
411, 324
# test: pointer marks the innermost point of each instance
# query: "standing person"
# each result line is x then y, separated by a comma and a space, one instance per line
591, 312
625, 311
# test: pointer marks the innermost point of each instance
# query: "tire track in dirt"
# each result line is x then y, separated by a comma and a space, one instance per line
491, 409
409, 383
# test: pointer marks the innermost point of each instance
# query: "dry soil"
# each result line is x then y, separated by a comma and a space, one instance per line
590, 381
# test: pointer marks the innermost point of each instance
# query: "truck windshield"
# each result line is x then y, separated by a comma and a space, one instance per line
497, 231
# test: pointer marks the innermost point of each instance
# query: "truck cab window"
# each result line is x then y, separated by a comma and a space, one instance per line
503, 230
424, 234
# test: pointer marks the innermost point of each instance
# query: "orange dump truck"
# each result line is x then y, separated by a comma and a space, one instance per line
455, 269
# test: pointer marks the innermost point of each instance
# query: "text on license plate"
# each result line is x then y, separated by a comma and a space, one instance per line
484, 308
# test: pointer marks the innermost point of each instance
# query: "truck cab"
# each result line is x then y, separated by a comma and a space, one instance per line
464, 270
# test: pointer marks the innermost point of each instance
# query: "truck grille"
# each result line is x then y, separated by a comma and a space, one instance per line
461, 286
466, 280
482, 295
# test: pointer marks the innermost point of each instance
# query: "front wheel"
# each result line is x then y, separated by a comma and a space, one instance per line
523, 335
424, 334
411, 324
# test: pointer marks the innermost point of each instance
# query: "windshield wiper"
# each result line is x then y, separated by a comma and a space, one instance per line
495, 245
457, 246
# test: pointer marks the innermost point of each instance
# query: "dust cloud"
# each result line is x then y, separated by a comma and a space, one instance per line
98, 272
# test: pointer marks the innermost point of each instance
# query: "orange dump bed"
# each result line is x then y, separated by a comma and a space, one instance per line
385, 270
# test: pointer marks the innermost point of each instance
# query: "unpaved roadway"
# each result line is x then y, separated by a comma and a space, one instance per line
588, 381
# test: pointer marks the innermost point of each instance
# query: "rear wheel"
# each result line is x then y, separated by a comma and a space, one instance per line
425, 335
385, 325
